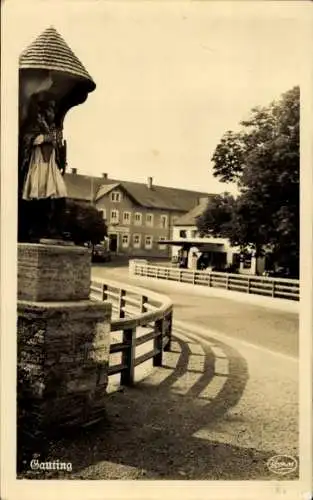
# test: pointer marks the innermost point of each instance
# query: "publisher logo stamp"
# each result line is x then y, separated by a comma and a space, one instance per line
282, 464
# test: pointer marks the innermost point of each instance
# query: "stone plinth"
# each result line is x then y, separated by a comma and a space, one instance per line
63, 351
53, 272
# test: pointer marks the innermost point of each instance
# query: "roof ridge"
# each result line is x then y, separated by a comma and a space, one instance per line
109, 181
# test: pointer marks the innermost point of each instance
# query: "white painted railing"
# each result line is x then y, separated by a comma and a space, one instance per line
260, 285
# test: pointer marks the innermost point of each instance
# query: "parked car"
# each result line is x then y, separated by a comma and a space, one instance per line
100, 253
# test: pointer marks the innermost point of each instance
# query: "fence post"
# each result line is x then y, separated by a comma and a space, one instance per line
194, 277
128, 357
169, 332
227, 279
143, 308
144, 300
132, 267
210, 278
273, 289
121, 303
104, 292
248, 287
158, 342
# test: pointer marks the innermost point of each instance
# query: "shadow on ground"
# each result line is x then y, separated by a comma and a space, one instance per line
150, 429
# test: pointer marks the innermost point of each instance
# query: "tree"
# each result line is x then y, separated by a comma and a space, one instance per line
217, 220
83, 223
263, 159
228, 158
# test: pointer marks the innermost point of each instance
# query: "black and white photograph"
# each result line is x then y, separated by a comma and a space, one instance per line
156, 242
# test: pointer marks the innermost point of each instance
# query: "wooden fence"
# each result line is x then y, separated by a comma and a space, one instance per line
272, 287
133, 310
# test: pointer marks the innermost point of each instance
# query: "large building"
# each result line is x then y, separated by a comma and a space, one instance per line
138, 215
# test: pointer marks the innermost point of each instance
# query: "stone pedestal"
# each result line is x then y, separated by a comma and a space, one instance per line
63, 338
64, 350
53, 272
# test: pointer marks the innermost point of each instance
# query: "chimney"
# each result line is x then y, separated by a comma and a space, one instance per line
149, 182
74, 170
104, 175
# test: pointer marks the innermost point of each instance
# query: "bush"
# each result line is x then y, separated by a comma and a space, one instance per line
83, 223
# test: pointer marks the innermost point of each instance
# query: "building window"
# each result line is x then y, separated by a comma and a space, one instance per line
114, 216
138, 219
182, 233
149, 219
193, 233
125, 240
136, 240
161, 246
126, 217
148, 242
116, 196
163, 221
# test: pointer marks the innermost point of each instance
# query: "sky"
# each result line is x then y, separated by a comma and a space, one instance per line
171, 78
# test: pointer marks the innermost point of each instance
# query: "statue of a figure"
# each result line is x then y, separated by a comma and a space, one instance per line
42, 159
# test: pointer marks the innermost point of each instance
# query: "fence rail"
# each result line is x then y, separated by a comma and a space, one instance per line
260, 285
138, 317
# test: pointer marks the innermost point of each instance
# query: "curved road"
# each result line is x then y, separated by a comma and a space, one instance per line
255, 347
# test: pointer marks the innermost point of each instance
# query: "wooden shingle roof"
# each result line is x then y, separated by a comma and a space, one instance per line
50, 51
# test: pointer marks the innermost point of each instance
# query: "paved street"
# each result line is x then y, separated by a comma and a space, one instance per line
224, 402
228, 393
265, 327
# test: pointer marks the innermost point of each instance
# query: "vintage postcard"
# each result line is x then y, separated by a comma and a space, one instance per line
156, 249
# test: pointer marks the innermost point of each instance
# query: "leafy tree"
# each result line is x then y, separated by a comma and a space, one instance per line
228, 158
217, 220
263, 159
83, 223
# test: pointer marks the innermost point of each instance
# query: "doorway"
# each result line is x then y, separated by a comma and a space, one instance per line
113, 242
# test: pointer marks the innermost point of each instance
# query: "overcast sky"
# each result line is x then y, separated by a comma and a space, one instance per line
171, 78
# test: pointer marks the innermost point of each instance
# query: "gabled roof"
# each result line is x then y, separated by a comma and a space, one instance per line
50, 51
82, 187
105, 189
190, 218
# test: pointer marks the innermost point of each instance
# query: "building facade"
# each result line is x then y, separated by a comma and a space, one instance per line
186, 242
138, 215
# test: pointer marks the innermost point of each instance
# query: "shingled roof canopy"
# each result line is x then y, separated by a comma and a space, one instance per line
49, 51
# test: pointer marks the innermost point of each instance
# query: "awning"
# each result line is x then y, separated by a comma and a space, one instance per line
191, 243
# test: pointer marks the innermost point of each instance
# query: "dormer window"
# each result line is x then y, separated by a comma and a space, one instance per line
116, 196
